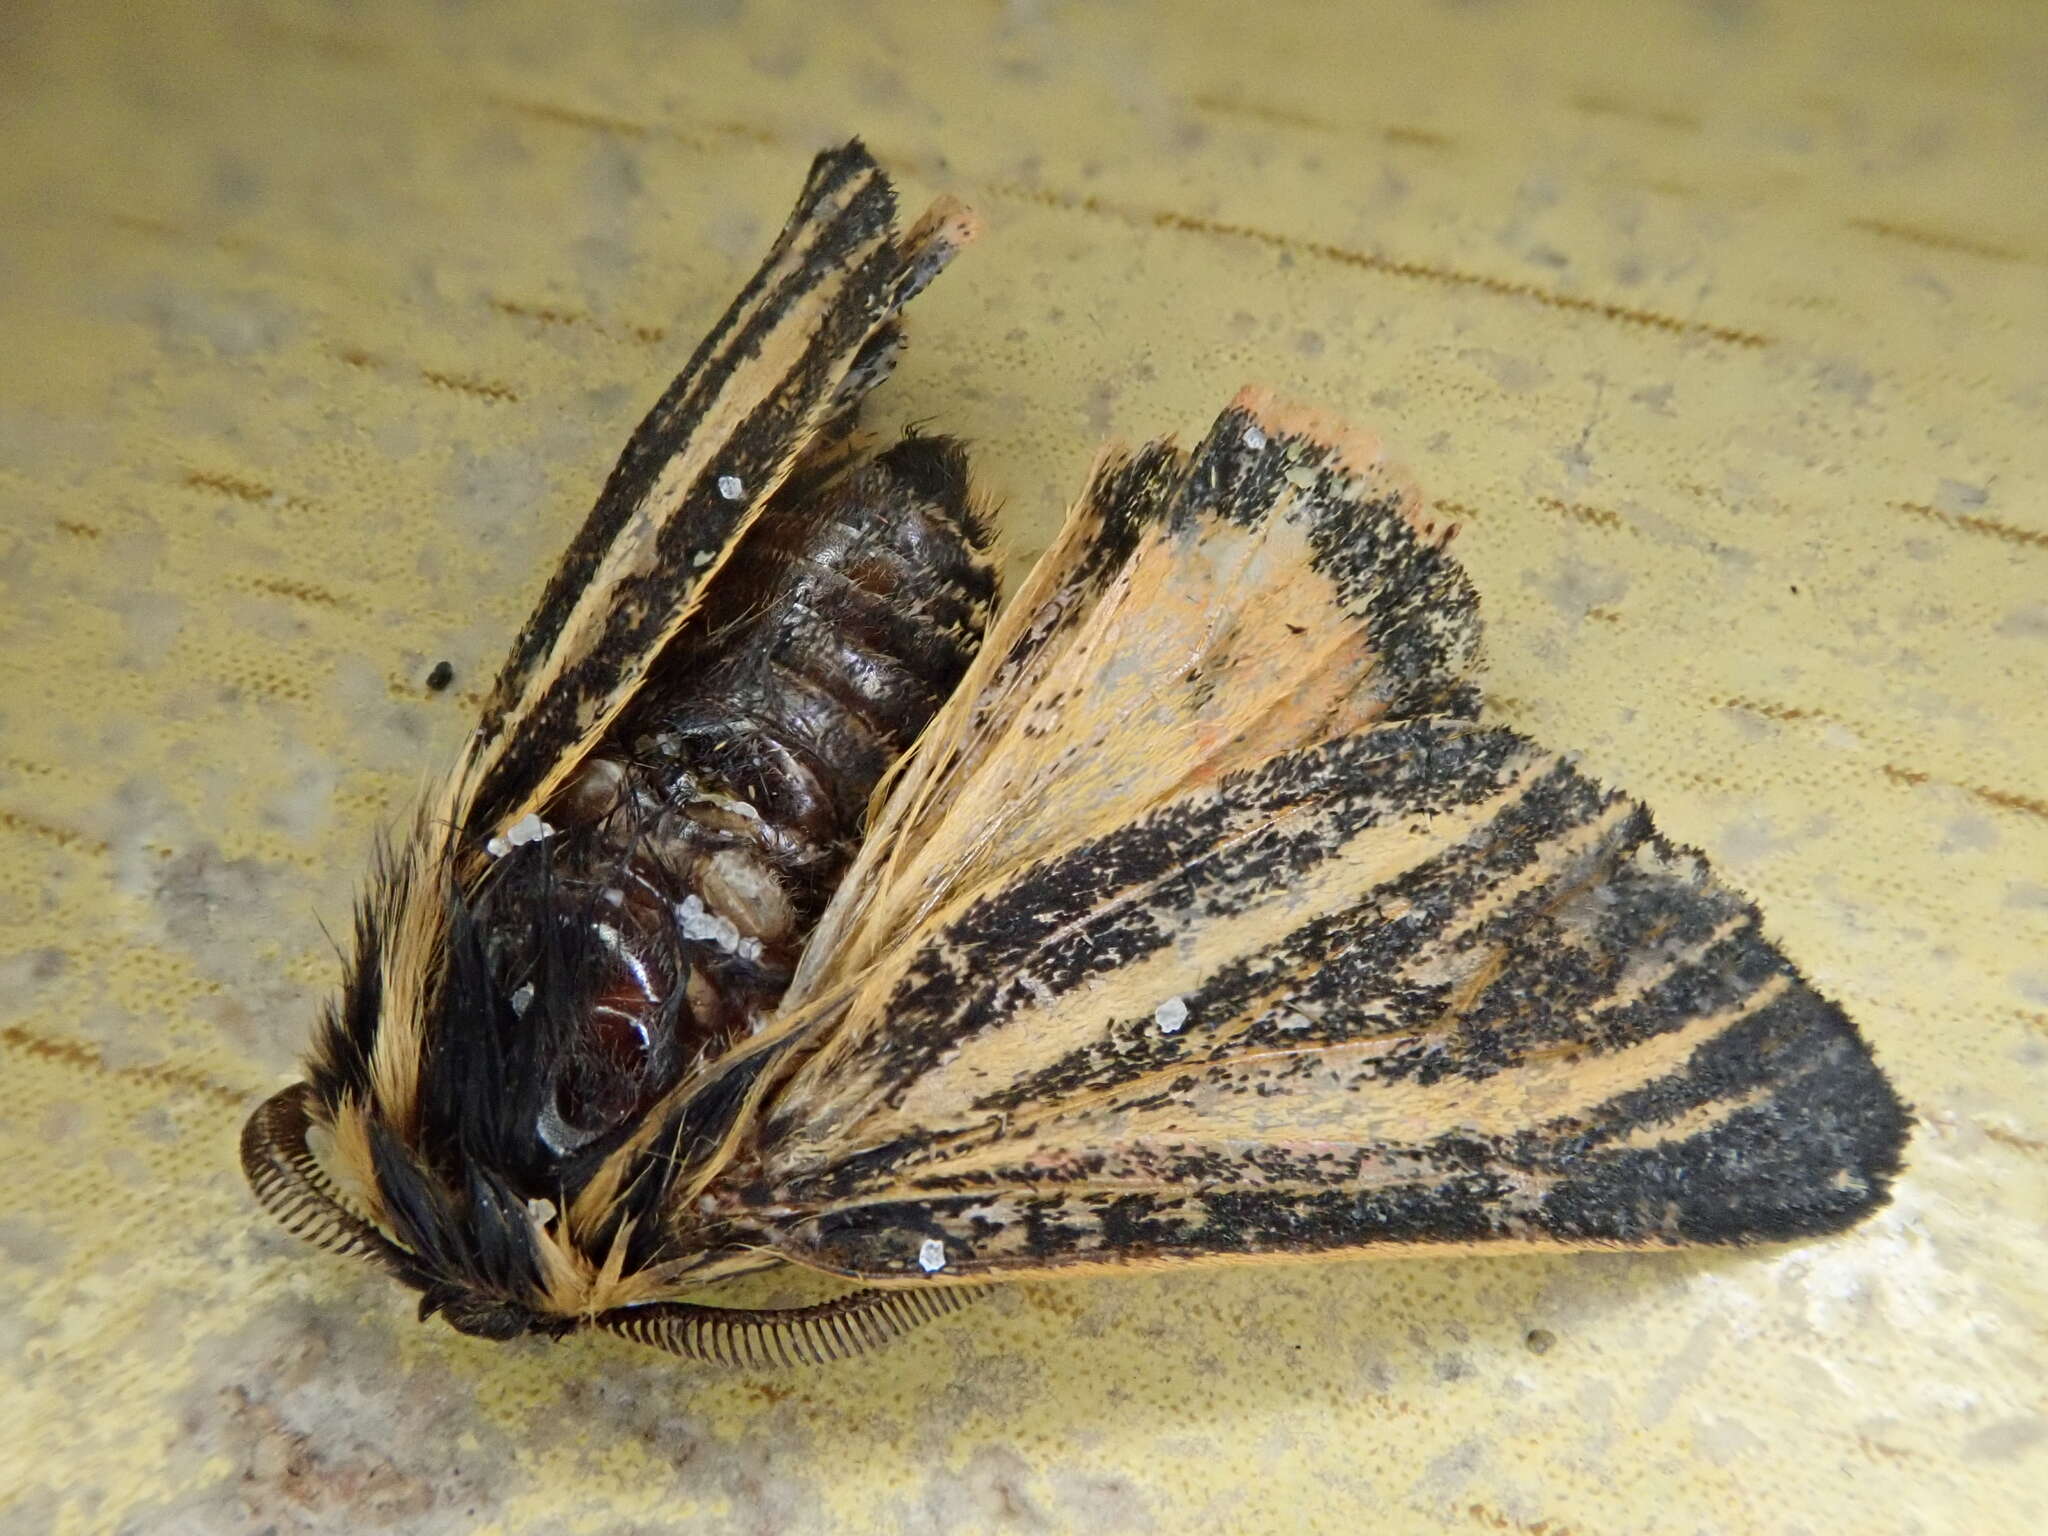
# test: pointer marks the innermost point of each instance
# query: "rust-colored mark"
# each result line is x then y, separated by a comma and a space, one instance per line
1278, 117
1939, 239
573, 117
546, 314
1781, 712
1877, 1448
555, 314
77, 530
1368, 261
71, 1053
50, 832
751, 133
1599, 104
1604, 615
1507, 704
296, 591
237, 486
482, 389
357, 357
1990, 527
1579, 511
143, 224
2014, 1139
2000, 799
2008, 800
1421, 138
1456, 509
26, 768
1500, 1520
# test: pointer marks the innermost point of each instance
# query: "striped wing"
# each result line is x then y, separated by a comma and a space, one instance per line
1302, 962
1199, 612
786, 365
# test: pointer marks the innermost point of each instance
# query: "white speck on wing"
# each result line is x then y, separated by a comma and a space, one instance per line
1254, 439
1170, 1015
931, 1256
730, 488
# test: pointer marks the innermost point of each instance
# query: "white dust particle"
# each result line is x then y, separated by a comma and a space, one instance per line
1254, 439
730, 488
541, 1210
699, 922
527, 829
702, 558
931, 1256
522, 1000
1170, 1015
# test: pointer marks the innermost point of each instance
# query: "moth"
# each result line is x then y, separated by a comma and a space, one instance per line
792, 905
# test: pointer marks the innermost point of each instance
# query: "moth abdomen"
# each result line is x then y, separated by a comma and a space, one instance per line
702, 838
837, 635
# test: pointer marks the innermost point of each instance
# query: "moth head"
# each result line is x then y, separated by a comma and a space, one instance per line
473, 1261
487, 1317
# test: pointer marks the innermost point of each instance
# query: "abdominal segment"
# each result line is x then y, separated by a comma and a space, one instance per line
690, 855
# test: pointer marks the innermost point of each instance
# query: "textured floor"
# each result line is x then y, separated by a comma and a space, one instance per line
1720, 328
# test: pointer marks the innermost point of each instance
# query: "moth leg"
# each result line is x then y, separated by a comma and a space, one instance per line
748, 1339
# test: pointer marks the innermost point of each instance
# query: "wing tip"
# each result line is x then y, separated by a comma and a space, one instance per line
1353, 451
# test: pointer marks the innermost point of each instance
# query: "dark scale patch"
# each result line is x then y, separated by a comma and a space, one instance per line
1230, 480
1796, 1033
1816, 1155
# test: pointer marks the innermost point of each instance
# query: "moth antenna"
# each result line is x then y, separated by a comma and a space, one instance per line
747, 1339
290, 1183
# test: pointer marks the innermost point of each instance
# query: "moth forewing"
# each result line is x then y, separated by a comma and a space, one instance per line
1373, 979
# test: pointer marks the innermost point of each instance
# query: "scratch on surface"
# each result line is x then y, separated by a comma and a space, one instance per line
1968, 523
1939, 239
481, 389
64, 837
84, 1058
1368, 261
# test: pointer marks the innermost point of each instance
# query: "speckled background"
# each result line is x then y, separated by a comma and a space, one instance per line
1720, 327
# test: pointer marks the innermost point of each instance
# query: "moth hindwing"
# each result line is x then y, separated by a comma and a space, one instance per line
1203, 921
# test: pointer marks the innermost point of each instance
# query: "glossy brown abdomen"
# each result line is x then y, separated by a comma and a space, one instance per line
698, 845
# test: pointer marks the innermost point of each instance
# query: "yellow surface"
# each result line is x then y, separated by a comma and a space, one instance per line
1722, 327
